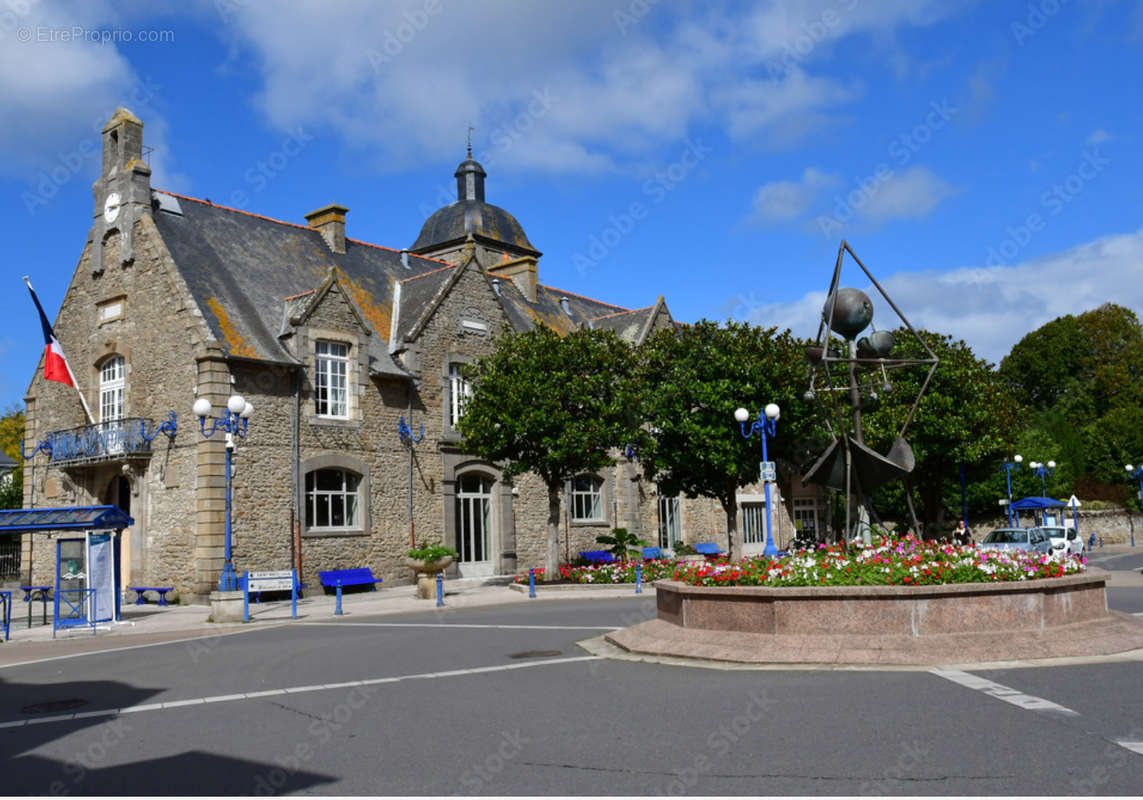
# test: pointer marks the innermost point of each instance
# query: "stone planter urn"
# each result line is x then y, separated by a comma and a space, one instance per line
426, 572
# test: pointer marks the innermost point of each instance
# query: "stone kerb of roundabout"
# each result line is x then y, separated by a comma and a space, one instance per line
888, 625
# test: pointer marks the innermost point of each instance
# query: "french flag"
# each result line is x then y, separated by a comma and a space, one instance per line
55, 365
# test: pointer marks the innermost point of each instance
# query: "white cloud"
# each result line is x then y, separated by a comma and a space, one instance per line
783, 201
1098, 136
907, 195
374, 72
59, 93
991, 308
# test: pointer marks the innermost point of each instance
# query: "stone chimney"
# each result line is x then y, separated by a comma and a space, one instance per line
523, 272
330, 221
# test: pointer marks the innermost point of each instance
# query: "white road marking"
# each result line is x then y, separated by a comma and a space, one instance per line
225, 698
1134, 747
1001, 692
463, 625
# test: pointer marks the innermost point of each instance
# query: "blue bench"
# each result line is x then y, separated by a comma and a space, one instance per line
357, 576
140, 600
652, 552
597, 556
708, 549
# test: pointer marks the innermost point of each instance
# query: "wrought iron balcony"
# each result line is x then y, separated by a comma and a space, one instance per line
123, 438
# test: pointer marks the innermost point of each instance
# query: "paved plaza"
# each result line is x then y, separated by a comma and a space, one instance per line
498, 694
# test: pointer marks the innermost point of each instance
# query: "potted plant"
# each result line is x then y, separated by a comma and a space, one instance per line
621, 543
427, 561
686, 552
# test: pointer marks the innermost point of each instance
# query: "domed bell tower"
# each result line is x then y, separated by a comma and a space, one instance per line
123, 190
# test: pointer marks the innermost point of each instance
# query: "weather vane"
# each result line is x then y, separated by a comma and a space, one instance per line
470, 130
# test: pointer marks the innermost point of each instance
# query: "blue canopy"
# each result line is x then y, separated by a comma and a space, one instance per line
1037, 504
73, 518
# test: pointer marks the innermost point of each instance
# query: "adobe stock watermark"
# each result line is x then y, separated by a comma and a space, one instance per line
628, 17
273, 164
810, 34
504, 137
95, 755
478, 776
1053, 201
1036, 19
69, 163
395, 39
656, 189
719, 743
319, 733
1115, 757
901, 150
910, 759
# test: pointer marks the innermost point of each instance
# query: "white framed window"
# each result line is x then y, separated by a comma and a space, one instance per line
333, 500
670, 522
112, 379
459, 390
587, 498
753, 523
331, 379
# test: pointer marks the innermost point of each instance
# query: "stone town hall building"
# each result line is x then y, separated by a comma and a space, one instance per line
333, 341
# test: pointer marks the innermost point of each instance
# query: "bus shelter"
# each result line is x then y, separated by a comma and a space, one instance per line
1045, 510
87, 582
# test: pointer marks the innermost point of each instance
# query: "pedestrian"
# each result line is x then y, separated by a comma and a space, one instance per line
961, 534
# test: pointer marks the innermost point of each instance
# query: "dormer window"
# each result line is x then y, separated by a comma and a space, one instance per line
331, 379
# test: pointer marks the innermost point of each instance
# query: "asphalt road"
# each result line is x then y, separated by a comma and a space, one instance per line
502, 701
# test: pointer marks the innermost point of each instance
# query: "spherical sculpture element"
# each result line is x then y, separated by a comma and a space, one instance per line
202, 407
852, 312
236, 404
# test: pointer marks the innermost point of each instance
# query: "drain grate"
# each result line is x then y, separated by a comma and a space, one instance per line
53, 706
536, 654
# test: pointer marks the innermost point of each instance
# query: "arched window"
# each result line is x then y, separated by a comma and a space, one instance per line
333, 500
112, 379
587, 498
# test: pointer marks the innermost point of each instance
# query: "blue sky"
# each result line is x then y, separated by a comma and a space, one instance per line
981, 158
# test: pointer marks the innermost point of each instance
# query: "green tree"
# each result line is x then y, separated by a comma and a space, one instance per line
693, 380
966, 414
11, 435
556, 406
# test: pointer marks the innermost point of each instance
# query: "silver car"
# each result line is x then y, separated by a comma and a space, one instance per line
1064, 540
1033, 540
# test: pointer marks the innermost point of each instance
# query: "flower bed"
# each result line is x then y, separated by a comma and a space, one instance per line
895, 562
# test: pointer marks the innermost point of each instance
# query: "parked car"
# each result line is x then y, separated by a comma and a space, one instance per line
1064, 540
1030, 539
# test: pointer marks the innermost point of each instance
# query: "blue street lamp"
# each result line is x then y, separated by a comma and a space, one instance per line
233, 422
1008, 467
1043, 471
766, 425
1132, 472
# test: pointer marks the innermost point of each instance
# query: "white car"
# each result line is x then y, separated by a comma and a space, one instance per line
1065, 541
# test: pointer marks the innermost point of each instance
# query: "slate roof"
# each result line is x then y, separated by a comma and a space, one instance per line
250, 274
454, 222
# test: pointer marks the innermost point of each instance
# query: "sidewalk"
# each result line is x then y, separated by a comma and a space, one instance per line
153, 624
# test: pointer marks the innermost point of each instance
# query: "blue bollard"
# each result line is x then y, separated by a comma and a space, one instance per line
337, 608
638, 579
1091, 542
440, 590
246, 597
532, 582
1100, 542
294, 596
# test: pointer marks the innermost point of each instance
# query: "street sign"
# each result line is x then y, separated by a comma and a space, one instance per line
279, 580
766, 472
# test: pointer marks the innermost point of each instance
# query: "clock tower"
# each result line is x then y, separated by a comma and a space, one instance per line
123, 190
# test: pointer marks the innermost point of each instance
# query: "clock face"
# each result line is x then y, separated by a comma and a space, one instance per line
111, 207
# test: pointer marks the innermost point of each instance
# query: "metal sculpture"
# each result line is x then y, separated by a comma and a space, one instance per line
856, 369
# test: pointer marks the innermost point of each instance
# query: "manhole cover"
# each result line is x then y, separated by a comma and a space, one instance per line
53, 706
536, 654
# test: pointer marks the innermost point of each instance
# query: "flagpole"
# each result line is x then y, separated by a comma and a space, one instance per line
74, 382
